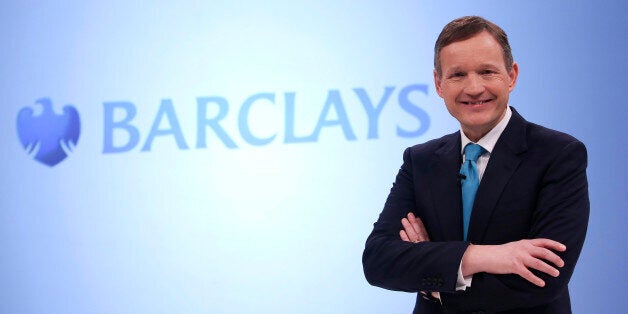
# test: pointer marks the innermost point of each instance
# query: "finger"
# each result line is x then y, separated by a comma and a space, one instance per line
549, 256
529, 276
407, 227
549, 244
540, 265
413, 221
422, 230
418, 226
404, 236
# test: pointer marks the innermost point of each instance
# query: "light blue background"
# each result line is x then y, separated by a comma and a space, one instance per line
277, 228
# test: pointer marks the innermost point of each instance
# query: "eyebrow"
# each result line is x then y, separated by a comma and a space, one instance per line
481, 66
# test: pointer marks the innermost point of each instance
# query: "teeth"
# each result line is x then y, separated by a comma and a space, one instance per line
476, 102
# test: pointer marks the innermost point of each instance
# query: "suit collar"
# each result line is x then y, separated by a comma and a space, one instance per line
514, 136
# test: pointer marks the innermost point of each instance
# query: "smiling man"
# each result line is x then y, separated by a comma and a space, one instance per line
490, 219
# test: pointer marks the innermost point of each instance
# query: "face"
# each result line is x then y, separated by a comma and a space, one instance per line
475, 84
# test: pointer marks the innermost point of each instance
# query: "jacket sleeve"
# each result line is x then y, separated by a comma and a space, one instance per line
561, 213
393, 264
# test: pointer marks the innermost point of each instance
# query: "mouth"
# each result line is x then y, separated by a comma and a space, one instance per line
476, 103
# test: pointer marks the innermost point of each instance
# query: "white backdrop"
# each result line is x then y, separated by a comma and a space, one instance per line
197, 226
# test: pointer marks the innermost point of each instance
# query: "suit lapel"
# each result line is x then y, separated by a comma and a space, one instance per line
503, 162
445, 188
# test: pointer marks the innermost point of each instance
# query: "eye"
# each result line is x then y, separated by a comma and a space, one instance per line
457, 74
487, 72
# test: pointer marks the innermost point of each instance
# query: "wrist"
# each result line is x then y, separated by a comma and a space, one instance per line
472, 260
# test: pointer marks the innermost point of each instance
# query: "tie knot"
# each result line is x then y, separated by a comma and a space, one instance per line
473, 151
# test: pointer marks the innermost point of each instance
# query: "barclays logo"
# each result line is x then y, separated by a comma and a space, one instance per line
46, 136
49, 137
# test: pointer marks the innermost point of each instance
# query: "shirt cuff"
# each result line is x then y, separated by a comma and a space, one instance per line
462, 283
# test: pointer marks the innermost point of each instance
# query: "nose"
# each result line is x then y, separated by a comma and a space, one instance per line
474, 85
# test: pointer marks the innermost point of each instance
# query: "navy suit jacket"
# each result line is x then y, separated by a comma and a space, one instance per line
534, 186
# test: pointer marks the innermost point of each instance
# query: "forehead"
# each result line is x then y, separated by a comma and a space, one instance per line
479, 49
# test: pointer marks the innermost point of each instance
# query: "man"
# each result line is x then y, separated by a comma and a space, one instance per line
495, 227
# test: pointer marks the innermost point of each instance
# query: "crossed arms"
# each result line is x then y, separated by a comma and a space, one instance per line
513, 271
517, 257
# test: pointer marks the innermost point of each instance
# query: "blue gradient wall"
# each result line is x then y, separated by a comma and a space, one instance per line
264, 142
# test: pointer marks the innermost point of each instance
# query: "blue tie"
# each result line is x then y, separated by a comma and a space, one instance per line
470, 183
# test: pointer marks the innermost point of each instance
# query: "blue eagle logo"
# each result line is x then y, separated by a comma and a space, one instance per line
48, 136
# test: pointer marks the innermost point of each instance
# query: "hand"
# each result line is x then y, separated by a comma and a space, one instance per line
517, 257
434, 294
413, 229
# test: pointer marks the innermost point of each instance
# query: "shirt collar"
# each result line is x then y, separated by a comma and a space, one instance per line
489, 140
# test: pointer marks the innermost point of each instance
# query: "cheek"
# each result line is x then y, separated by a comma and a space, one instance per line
453, 111
445, 93
501, 87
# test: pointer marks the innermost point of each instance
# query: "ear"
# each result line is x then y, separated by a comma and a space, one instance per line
514, 73
437, 82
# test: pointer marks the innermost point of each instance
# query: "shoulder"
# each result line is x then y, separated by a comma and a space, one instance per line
522, 135
541, 138
539, 132
545, 147
426, 149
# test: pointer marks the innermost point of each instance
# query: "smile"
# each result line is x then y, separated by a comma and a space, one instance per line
481, 102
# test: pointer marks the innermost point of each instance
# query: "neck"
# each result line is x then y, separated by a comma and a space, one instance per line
475, 135
478, 132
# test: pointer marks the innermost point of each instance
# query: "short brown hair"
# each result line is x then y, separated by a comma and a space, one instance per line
466, 27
